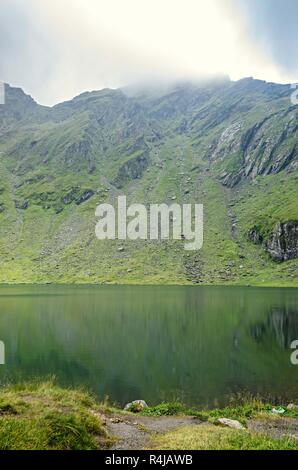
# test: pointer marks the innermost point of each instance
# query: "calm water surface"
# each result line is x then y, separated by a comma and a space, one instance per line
197, 344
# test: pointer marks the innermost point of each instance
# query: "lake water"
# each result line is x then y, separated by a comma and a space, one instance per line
196, 344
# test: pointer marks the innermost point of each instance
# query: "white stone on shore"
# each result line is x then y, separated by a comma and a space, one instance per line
231, 423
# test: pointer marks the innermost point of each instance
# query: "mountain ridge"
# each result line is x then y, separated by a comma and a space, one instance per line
227, 145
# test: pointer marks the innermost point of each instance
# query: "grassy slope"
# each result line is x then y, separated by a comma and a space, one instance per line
39, 246
54, 241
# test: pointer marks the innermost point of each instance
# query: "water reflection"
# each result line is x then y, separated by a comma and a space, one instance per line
198, 344
280, 324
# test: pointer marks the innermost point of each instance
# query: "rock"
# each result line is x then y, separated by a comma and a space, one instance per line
282, 244
85, 196
278, 411
292, 406
116, 420
231, 423
121, 249
136, 406
255, 236
132, 169
261, 151
22, 205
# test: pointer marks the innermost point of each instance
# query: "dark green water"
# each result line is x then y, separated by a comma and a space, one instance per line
197, 344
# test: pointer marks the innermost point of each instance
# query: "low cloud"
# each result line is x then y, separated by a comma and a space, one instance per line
56, 49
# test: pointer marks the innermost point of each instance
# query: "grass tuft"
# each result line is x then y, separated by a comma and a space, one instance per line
44, 416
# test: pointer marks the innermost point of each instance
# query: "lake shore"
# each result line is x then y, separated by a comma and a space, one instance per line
42, 415
293, 284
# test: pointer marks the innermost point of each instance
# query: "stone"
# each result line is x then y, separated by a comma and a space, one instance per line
282, 244
231, 423
116, 420
136, 406
292, 406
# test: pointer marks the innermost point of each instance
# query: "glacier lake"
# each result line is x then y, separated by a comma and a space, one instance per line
198, 345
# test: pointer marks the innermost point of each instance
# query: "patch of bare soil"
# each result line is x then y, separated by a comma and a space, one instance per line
135, 432
276, 428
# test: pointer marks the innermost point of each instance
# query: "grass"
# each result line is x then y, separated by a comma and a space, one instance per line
246, 409
48, 163
42, 416
208, 437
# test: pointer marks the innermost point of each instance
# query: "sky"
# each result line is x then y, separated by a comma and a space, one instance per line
57, 49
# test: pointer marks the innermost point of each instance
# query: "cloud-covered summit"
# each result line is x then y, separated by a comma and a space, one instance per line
56, 49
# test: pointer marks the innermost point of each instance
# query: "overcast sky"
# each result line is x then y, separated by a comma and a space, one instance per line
56, 49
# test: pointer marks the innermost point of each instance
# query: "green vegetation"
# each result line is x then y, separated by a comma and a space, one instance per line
43, 416
230, 146
207, 437
211, 436
247, 409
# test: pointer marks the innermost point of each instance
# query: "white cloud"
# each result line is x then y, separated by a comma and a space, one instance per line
110, 43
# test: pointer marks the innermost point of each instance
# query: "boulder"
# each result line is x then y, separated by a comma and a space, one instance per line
136, 406
291, 407
231, 423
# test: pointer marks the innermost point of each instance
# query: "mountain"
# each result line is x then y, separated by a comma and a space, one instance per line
232, 146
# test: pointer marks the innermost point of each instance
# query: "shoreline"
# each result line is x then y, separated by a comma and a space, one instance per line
44, 416
268, 285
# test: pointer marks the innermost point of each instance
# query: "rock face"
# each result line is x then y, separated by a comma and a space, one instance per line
282, 243
268, 147
184, 143
132, 169
255, 236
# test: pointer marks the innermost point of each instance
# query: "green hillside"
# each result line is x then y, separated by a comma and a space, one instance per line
232, 146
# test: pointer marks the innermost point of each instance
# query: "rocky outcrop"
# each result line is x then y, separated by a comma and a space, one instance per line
78, 195
268, 147
255, 236
131, 170
282, 242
